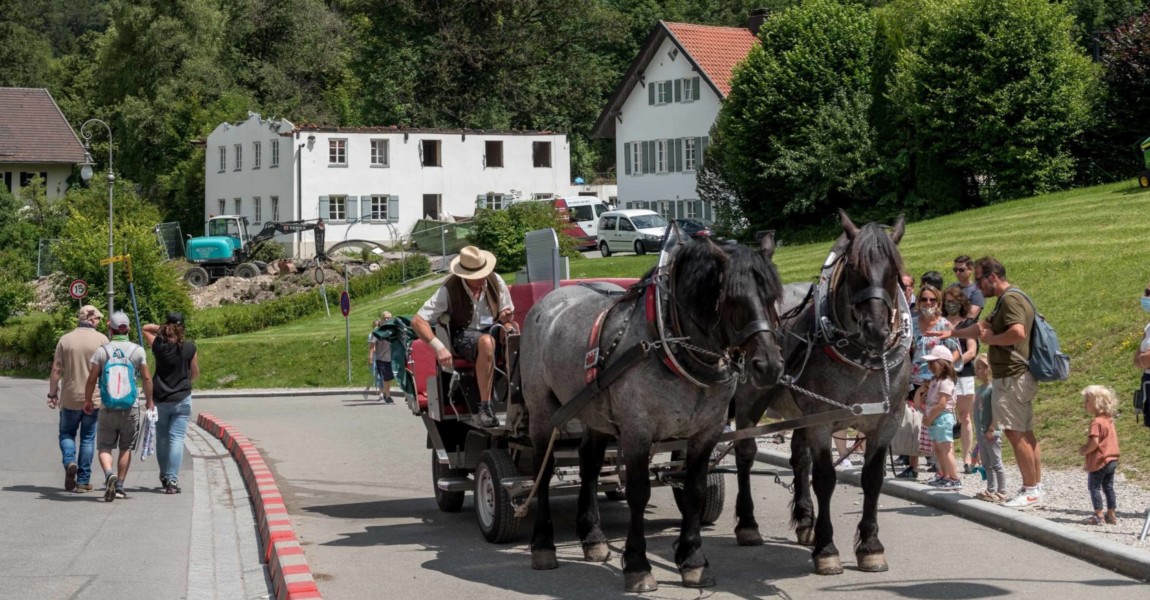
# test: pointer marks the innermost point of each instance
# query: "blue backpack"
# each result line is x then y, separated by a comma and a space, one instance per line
118, 381
1047, 362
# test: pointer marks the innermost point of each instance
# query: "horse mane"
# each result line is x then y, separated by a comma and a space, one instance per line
872, 249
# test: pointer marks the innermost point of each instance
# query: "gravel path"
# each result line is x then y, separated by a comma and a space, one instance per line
1067, 500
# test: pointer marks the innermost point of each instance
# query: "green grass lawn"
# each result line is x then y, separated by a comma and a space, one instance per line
1080, 254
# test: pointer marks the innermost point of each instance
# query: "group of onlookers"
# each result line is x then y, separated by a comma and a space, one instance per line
979, 397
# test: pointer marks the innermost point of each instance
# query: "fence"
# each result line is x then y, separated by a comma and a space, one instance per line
171, 238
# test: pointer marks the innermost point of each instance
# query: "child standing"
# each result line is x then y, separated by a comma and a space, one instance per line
1101, 451
939, 415
990, 446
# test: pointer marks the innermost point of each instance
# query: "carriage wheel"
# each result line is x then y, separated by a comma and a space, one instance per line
493, 509
713, 499
449, 502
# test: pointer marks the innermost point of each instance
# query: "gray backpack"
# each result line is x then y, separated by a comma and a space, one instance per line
1047, 362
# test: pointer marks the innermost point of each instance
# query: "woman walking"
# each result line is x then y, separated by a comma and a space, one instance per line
176, 367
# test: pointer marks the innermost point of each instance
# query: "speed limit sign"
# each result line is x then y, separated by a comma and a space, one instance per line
78, 289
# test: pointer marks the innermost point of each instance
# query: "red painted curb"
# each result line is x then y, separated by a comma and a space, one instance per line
290, 574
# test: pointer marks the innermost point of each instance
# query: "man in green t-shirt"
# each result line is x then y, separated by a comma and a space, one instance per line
1007, 333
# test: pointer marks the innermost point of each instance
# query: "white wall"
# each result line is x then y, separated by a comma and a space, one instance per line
461, 179
643, 122
57, 180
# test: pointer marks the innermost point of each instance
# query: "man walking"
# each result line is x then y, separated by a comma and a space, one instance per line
1007, 331
66, 391
963, 271
477, 303
115, 366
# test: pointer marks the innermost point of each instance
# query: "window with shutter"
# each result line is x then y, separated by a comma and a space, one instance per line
351, 206
393, 209
695, 88
678, 90
651, 94
626, 158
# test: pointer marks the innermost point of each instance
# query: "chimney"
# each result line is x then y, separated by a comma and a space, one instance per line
756, 20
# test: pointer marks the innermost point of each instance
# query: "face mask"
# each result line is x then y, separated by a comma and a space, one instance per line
929, 311
1146, 303
952, 308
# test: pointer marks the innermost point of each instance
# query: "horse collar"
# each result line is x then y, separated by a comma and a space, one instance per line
835, 341
654, 303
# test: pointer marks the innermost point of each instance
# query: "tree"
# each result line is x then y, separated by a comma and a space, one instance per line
83, 243
995, 92
797, 138
503, 232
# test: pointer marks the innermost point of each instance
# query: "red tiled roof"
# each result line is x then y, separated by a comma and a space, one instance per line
715, 49
33, 130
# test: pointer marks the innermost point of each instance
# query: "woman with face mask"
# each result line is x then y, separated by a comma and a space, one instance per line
955, 308
1142, 358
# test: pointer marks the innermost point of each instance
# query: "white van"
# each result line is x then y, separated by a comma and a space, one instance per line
583, 213
631, 230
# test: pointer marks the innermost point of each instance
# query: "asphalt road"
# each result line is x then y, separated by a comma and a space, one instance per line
356, 478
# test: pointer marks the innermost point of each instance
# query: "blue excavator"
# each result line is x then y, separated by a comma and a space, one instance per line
227, 249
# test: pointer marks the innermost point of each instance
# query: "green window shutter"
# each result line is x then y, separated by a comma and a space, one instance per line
351, 208
626, 158
678, 90
677, 147
324, 209
481, 201
651, 93
393, 209
707, 211
700, 146
650, 156
695, 89
365, 205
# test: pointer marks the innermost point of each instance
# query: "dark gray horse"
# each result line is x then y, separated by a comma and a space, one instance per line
846, 343
718, 302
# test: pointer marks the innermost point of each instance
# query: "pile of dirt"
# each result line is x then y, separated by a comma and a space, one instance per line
236, 290
46, 290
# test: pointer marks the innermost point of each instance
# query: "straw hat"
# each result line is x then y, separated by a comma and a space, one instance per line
473, 263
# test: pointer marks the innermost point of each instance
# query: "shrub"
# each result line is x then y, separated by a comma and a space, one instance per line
502, 232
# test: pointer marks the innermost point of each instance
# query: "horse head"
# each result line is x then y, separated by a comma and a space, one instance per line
728, 295
867, 301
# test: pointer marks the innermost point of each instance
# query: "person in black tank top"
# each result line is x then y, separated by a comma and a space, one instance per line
176, 368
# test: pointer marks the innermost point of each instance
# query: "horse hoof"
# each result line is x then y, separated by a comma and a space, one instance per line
542, 560
697, 577
748, 537
805, 536
872, 563
828, 565
639, 583
597, 552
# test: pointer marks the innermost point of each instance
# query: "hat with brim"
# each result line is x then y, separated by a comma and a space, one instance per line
939, 352
473, 263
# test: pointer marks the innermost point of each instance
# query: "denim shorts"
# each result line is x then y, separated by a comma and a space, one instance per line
942, 430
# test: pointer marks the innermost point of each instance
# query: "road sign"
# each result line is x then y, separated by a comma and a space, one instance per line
318, 274
78, 289
344, 303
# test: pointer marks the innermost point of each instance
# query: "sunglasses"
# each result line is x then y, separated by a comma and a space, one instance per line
960, 269
928, 300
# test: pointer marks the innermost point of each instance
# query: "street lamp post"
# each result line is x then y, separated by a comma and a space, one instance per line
86, 174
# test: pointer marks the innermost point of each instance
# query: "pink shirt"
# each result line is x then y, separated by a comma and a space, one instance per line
934, 394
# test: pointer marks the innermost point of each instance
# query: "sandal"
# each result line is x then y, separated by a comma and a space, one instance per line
1111, 519
1093, 520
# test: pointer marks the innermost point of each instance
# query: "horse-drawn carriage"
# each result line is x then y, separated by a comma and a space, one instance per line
652, 369
496, 463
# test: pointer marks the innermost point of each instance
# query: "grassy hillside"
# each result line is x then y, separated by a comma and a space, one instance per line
1081, 255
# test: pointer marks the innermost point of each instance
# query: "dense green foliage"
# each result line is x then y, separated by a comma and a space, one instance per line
502, 232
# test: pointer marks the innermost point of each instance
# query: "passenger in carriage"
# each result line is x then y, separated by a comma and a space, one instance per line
478, 306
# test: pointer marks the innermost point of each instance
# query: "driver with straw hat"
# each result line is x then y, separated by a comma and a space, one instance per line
477, 304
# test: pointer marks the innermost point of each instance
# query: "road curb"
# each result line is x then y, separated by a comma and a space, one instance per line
291, 577
1111, 555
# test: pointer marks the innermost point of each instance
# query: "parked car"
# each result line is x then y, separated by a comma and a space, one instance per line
627, 230
694, 227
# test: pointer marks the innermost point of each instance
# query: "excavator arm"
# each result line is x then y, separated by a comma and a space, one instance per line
272, 229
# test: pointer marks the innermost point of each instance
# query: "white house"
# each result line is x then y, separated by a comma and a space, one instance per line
35, 139
662, 112
373, 183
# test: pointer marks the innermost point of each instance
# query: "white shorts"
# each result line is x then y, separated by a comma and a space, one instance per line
964, 386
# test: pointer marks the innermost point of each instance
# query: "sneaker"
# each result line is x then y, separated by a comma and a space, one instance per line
173, 486
121, 494
487, 416
966, 469
938, 481
907, 473
83, 488
388, 400
1024, 500
903, 461
950, 484
110, 488
164, 482
70, 476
